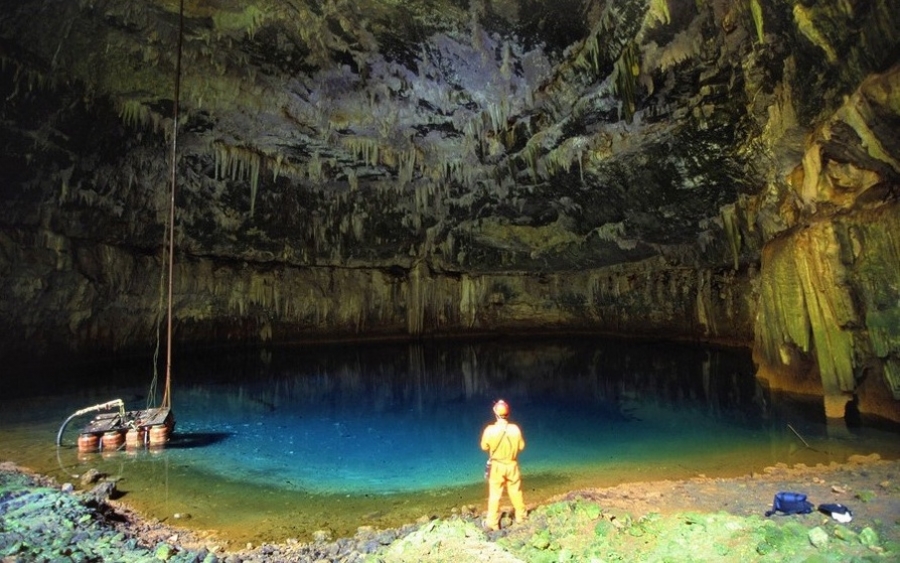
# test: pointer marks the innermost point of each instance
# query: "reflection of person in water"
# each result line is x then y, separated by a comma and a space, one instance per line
852, 416
503, 441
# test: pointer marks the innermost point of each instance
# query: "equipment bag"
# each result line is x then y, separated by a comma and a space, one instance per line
790, 503
837, 511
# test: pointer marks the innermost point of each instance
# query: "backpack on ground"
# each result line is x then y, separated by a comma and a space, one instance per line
837, 511
790, 503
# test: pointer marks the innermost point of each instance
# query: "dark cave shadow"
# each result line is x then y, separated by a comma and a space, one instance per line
187, 440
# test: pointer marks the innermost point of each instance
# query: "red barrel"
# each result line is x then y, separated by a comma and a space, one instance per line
159, 435
112, 440
88, 442
134, 438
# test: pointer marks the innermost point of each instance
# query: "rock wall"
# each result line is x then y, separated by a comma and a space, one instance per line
713, 170
829, 310
96, 299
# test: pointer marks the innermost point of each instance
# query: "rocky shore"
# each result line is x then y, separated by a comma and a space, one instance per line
700, 519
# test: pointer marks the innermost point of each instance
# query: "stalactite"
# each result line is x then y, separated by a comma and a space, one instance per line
659, 11
507, 63
254, 181
625, 74
498, 113
358, 223
703, 303
531, 154
756, 10
468, 302
406, 167
803, 19
610, 232
276, 168
563, 156
248, 21
314, 168
473, 130
363, 148
352, 178
731, 225
136, 115
589, 57
804, 304
420, 285
238, 163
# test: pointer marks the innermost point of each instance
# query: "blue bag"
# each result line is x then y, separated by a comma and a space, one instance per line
790, 503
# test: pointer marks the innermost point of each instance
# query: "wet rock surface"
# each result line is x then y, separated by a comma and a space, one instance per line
699, 519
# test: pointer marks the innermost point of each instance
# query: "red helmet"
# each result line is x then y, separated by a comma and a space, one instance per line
501, 408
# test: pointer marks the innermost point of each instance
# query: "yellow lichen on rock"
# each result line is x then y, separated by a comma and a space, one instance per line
756, 10
803, 19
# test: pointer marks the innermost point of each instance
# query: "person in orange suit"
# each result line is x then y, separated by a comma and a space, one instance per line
503, 441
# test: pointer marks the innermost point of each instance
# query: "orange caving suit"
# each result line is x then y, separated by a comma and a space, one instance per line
503, 441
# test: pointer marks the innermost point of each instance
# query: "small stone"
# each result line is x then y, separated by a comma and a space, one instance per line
164, 552
818, 537
845, 534
540, 541
869, 537
90, 477
838, 490
67, 488
321, 536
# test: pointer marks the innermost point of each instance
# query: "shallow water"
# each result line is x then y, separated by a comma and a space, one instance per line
276, 444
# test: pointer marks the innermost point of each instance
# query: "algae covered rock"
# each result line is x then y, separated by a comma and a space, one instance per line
818, 537
869, 537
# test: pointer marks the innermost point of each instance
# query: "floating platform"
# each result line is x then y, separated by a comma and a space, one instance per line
133, 429
122, 422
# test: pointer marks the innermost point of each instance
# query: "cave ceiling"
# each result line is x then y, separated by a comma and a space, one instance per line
474, 135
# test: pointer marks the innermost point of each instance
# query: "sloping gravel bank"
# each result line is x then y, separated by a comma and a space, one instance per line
699, 519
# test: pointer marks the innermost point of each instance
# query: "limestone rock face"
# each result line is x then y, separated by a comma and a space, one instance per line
716, 170
830, 284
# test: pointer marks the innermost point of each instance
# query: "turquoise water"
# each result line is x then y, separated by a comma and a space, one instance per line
379, 420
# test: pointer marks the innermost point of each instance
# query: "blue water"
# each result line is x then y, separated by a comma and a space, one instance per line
387, 418
409, 418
